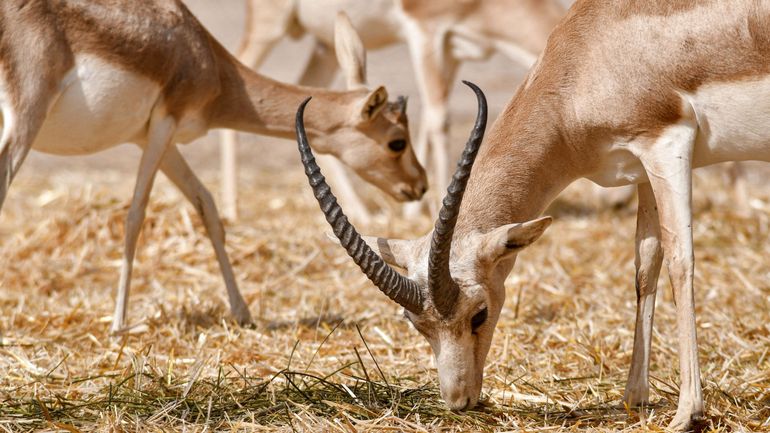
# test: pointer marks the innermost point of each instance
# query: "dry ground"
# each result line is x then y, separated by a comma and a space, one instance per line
329, 353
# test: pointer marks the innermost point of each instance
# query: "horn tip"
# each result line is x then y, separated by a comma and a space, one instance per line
471, 85
301, 108
479, 94
304, 103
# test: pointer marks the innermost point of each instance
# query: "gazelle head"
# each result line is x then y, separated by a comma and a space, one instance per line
375, 138
454, 290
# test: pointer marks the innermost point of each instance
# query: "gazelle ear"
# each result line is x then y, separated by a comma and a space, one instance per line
505, 241
373, 104
395, 252
351, 54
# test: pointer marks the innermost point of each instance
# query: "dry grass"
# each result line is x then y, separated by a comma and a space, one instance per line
329, 353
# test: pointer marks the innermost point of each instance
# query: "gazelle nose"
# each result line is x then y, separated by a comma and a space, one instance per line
459, 403
422, 190
411, 192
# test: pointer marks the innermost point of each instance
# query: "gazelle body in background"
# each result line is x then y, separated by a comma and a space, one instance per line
626, 92
440, 34
79, 77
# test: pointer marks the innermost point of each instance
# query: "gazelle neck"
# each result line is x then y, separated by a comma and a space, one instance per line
250, 102
523, 165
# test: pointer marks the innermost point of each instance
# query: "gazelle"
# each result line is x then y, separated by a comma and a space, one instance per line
78, 77
440, 33
626, 92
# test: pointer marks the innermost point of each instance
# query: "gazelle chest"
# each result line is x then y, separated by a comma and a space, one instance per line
99, 105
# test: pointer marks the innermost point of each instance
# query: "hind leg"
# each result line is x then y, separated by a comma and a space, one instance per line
649, 257
21, 125
267, 21
175, 167
435, 70
320, 71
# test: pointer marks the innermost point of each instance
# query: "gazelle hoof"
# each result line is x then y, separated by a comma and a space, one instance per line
243, 317
686, 422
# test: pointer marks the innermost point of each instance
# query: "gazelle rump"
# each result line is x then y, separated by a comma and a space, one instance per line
626, 92
78, 77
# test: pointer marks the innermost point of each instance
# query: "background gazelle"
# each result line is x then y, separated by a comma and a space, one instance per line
440, 37
626, 92
76, 78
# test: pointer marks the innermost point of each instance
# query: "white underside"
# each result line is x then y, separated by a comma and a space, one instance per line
100, 106
733, 121
376, 21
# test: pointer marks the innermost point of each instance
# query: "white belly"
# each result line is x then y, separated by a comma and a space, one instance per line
376, 21
100, 106
733, 121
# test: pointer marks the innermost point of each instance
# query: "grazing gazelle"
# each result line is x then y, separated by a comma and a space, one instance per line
440, 34
77, 77
626, 92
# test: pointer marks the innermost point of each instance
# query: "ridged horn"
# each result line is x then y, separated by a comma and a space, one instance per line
402, 290
442, 288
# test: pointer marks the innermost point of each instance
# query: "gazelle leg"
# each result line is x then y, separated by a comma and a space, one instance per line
266, 23
322, 67
649, 257
435, 69
175, 167
161, 132
20, 127
737, 175
229, 172
669, 168
338, 177
22, 117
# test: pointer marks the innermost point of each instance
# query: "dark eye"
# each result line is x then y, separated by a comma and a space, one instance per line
397, 145
478, 319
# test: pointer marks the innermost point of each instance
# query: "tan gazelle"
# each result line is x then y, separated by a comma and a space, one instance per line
626, 92
440, 33
77, 77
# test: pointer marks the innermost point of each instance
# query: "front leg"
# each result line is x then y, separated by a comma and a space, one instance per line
161, 131
668, 164
649, 257
267, 21
175, 167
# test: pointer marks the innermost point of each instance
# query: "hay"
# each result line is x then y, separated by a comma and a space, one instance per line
328, 352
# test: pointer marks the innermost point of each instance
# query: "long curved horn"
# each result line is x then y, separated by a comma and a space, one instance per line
442, 288
401, 289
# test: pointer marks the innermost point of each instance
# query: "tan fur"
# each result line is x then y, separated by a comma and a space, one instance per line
626, 92
106, 58
440, 34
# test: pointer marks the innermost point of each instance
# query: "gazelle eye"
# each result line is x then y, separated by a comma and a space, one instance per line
397, 145
478, 319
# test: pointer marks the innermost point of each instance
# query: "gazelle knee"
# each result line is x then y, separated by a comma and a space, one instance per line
649, 259
680, 269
